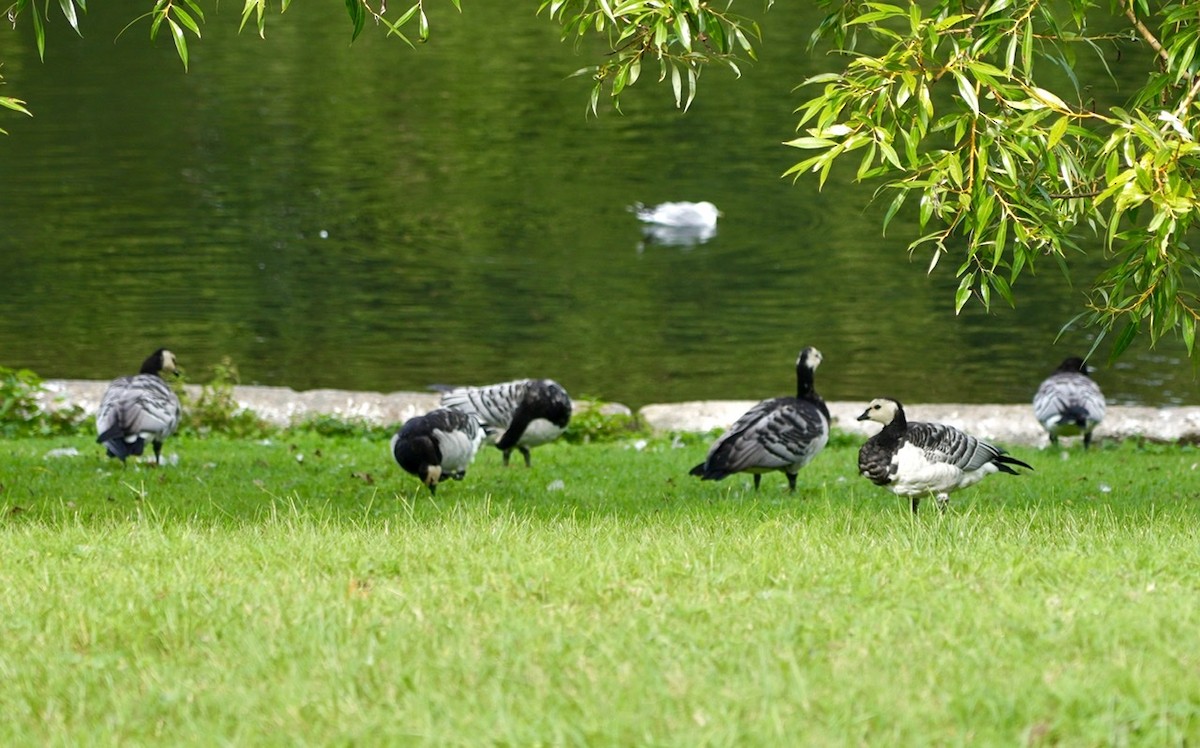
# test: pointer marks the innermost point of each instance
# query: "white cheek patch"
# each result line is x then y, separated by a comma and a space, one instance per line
435, 474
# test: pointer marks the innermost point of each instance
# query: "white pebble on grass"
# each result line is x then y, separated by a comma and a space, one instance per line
556, 485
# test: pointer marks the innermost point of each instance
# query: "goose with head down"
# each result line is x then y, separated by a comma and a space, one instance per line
437, 446
515, 415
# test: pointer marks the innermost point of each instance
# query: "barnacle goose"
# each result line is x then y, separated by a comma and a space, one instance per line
784, 434
515, 415
437, 446
1069, 403
140, 407
925, 459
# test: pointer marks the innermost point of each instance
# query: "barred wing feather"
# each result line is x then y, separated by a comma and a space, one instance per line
141, 405
946, 444
770, 436
1059, 394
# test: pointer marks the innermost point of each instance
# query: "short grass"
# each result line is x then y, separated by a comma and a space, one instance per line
304, 591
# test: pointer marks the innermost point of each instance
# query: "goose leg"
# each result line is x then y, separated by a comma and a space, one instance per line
525, 453
757, 478
791, 481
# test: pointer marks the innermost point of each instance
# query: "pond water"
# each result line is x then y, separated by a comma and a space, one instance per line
375, 217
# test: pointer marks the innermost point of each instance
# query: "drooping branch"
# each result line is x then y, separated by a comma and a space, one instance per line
1146, 33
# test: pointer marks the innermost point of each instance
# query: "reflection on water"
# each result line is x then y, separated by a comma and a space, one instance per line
676, 236
375, 217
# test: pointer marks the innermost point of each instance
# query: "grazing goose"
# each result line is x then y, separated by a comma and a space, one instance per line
437, 446
134, 409
1069, 403
925, 459
784, 434
516, 415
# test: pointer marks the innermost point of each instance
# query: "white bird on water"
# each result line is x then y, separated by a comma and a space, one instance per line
697, 215
678, 223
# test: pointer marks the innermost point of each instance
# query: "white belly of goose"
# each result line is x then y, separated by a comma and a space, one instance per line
538, 432
914, 474
458, 450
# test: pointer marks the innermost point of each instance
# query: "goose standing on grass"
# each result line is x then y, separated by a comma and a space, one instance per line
783, 434
437, 446
134, 409
1069, 403
516, 415
925, 459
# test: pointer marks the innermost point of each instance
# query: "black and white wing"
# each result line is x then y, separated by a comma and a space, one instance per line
493, 405
945, 444
134, 409
780, 434
1067, 399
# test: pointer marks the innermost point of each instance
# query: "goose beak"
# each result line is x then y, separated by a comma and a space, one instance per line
866, 415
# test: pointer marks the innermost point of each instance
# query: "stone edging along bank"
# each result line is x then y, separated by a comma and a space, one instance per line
1006, 424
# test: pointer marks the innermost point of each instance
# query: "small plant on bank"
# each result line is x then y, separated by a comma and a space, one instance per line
594, 420
328, 425
22, 415
216, 411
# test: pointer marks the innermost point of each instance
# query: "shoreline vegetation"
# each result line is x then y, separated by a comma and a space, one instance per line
282, 407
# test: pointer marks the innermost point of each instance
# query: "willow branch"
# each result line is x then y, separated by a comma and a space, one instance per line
1187, 100
1146, 33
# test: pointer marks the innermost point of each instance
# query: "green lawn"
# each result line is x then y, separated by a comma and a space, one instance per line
306, 591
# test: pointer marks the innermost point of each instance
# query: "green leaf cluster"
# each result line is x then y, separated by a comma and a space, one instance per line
215, 410
680, 37
946, 106
21, 413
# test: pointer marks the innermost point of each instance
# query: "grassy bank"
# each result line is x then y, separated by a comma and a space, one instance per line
302, 590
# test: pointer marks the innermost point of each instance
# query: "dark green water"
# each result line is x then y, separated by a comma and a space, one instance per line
369, 216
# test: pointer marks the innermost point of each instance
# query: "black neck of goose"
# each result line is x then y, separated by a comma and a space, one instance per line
1074, 366
804, 383
152, 365
897, 427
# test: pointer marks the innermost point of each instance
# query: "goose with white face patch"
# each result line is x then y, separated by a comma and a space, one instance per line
1069, 403
139, 407
516, 415
926, 459
783, 434
437, 446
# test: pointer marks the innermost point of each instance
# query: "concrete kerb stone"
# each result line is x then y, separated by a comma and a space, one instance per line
1005, 424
